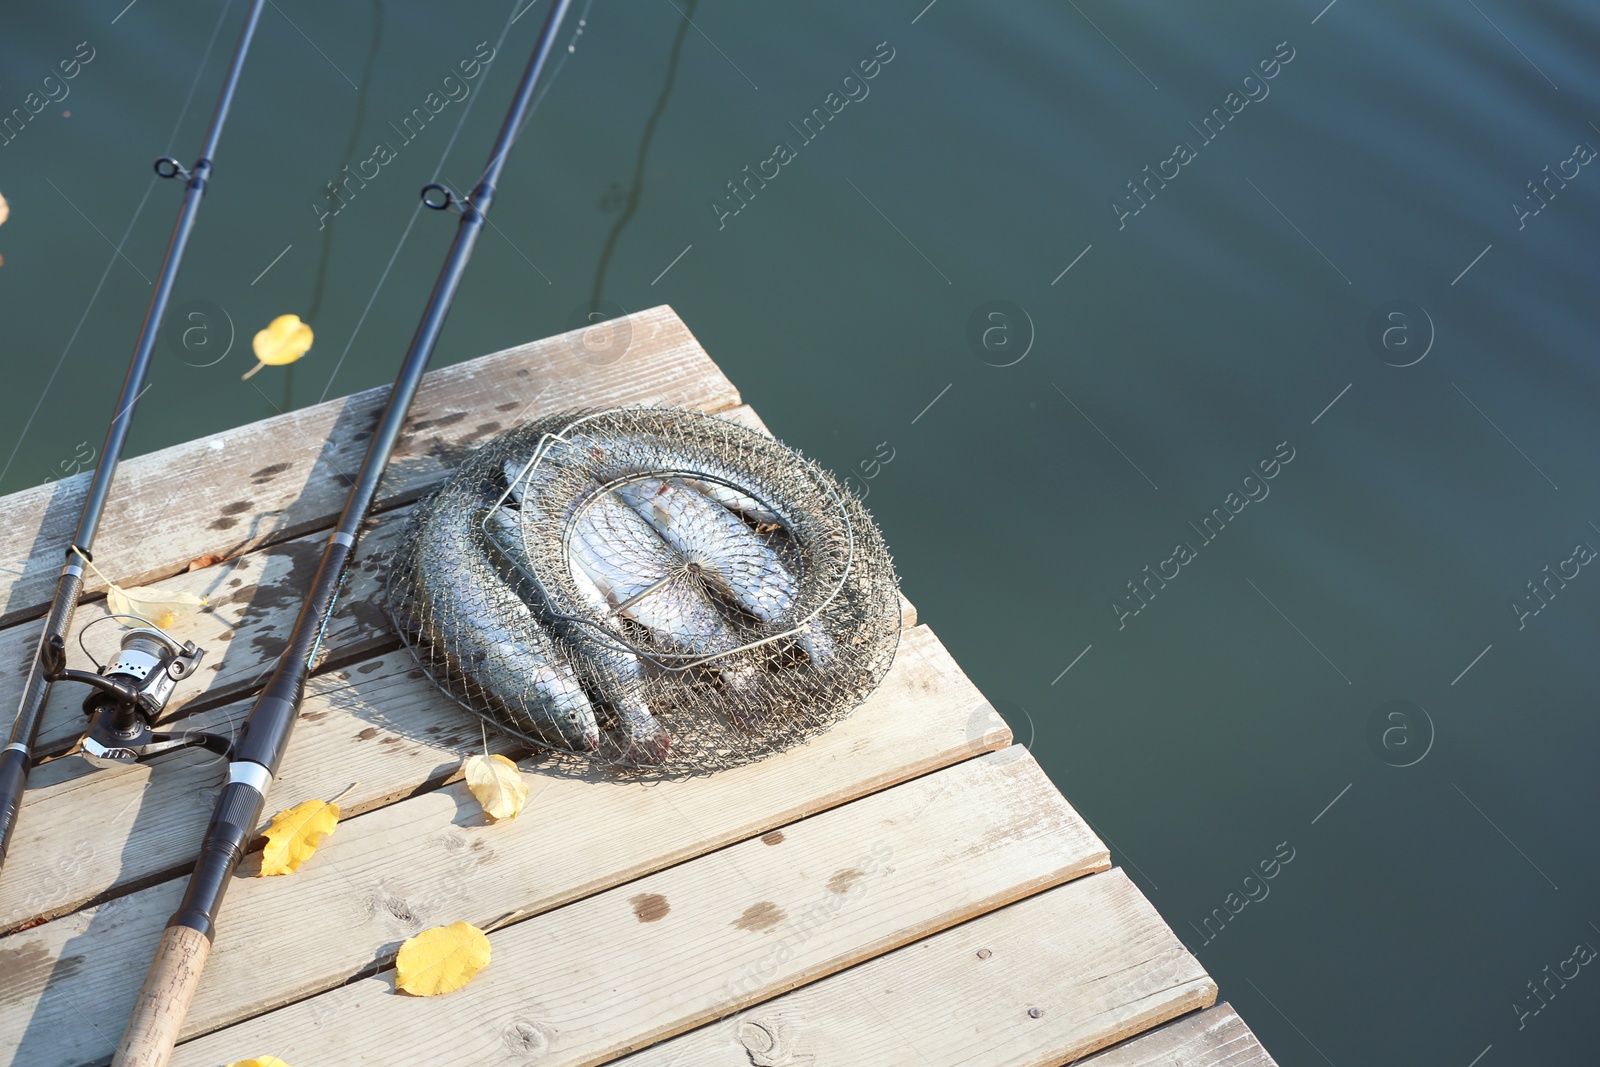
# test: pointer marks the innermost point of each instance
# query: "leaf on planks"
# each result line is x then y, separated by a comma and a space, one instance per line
441, 959
159, 607
295, 834
497, 784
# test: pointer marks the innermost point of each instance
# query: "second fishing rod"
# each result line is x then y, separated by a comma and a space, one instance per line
132, 690
180, 958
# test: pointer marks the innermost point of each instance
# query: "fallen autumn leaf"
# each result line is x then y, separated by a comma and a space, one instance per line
497, 784
295, 834
441, 959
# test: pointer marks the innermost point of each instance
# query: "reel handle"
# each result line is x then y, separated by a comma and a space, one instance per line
53, 658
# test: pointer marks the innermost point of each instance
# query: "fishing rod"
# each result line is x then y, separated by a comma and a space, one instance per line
131, 691
180, 958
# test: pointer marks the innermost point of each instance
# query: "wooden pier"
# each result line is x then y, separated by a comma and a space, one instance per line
906, 888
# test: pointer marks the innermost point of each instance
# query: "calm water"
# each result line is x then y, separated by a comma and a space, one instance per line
1055, 364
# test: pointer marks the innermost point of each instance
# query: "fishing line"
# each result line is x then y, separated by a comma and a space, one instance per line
345, 156
637, 190
572, 47
26, 426
451, 188
194, 82
415, 212
317, 288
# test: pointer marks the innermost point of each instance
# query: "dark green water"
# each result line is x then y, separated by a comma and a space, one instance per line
1343, 233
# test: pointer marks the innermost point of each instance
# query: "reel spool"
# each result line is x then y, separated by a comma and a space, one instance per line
696, 595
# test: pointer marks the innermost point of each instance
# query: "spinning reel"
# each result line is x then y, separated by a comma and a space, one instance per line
128, 695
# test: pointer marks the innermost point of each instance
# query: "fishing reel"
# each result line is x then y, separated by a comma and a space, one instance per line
128, 695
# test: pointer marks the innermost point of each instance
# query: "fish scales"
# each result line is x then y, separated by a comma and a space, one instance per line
645, 739
493, 637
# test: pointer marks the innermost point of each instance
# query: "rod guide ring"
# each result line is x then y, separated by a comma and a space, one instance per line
448, 201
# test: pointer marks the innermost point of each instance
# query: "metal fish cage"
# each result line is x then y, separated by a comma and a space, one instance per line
653, 588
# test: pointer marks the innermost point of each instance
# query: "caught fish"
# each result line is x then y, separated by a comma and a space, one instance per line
714, 540
495, 639
734, 500
645, 740
707, 594
636, 573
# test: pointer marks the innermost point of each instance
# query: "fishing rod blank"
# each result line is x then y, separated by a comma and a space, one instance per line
180, 958
137, 683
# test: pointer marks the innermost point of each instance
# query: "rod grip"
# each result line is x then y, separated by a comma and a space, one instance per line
163, 1002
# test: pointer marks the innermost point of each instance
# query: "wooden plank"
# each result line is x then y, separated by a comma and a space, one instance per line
149, 818
430, 859
746, 416
1213, 1038
620, 969
285, 476
1092, 957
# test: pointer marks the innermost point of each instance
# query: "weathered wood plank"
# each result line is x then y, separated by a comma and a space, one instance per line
1216, 1037
746, 416
430, 859
592, 968
637, 963
377, 723
1092, 957
285, 476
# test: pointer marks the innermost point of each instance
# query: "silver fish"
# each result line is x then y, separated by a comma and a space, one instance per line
503, 650
716, 541
711, 537
734, 500
636, 573
645, 739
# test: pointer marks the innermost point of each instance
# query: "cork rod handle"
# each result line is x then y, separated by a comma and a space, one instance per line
164, 1000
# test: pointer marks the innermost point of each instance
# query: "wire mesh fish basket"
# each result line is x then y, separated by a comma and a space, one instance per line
654, 588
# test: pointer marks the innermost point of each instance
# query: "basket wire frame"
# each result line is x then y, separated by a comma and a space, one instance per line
648, 587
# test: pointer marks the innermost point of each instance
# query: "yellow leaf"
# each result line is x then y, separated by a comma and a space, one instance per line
259, 1061
5, 209
441, 959
497, 784
284, 340
295, 834
157, 606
